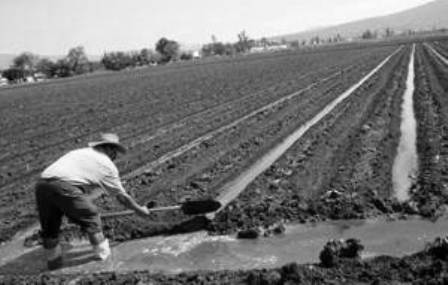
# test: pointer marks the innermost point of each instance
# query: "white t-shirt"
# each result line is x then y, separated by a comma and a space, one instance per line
86, 167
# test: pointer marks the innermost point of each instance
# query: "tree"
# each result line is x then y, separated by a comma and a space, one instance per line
14, 74
368, 34
315, 40
389, 32
264, 42
168, 49
294, 44
62, 68
26, 61
46, 66
243, 44
186, 56
217, 48
146, 56
77, 60
116, 60
135, 59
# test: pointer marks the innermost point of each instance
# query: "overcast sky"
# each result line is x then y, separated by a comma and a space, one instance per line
51, 27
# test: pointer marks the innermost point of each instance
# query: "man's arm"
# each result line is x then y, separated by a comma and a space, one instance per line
112, 183
126, 200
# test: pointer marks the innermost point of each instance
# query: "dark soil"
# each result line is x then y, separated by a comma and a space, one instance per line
199, 172
155, 111
337, 170
431, 191
341, 169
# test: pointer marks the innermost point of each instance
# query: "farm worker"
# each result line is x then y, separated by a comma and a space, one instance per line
64, 187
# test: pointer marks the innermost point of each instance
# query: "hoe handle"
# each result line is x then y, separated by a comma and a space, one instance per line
130, 212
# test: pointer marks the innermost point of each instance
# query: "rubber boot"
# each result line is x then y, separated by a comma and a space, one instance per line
100, 246
101, 251
54, 257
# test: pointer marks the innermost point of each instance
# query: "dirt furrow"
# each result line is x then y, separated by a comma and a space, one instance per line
293, 188
431, 191
17, 194
200, 170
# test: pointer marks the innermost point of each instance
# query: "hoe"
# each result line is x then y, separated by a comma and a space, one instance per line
198, 207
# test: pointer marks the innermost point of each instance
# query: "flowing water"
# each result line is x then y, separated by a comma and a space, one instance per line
405, 165
199, 251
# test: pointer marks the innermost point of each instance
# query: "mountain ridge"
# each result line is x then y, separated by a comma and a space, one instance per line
424, 17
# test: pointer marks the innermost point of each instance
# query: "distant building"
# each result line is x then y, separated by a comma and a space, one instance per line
268, 48
258, 49
3, 81
39, 76
196, 54
30, 79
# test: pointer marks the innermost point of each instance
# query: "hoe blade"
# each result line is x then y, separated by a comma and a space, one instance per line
200, 207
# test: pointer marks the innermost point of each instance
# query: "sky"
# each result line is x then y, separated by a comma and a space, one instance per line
52, 27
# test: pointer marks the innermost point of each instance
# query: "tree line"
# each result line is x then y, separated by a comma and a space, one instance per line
76, 62
30, 66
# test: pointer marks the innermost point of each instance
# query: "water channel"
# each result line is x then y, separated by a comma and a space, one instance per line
405, 166
199, 251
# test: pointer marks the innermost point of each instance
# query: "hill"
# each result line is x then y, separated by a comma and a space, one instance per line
424, 17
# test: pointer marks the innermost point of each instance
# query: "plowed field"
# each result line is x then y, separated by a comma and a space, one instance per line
194, 128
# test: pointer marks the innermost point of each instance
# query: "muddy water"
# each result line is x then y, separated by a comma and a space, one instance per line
406, 162
198, 251
300, 244
232, 189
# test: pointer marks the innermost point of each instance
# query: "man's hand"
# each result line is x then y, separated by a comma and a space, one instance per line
130, 203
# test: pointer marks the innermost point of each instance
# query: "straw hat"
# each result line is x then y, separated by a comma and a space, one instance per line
109, 139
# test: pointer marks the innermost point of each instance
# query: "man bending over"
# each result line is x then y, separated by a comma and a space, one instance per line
64, 187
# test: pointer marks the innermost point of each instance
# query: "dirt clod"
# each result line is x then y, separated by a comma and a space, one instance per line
334, 250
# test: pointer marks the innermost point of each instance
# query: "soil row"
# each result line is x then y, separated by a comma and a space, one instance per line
200, 171
17, 199
339, 169
431, 105
17, 194
28, 155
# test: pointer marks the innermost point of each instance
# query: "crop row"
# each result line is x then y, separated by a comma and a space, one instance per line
432, 117
202, 170
16, 194
338, 169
